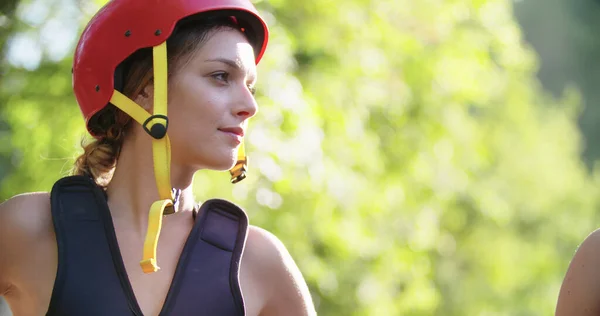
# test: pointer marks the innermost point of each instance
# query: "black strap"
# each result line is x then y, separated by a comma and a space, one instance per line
86, 243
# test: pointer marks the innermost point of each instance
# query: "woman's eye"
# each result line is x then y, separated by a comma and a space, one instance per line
221, 76
252, 89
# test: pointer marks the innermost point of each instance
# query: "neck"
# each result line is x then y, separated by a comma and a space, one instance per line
132, 189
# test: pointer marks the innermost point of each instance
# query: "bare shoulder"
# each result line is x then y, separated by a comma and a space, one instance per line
580, 291
24, 219
26, 200
263, 243
282, 282
25, 213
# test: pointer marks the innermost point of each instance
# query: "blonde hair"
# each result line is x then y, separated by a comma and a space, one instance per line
110, 125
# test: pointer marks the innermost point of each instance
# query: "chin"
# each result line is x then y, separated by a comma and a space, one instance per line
224, 167
218, 160
223, 164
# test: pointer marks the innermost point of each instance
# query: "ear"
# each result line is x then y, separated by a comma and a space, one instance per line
145, 98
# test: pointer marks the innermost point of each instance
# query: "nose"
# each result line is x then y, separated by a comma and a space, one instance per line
246, 107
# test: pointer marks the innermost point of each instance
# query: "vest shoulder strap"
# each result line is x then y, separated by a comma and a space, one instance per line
212, 258
84, 233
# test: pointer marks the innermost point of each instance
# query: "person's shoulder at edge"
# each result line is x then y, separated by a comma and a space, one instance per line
580, 290
285, 289
24, 219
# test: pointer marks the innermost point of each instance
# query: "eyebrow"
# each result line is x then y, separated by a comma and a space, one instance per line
228, 62
235, 65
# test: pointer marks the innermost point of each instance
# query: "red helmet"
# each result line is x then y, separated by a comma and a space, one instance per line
122, 27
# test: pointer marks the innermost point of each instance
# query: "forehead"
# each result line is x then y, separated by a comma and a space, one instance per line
227, 44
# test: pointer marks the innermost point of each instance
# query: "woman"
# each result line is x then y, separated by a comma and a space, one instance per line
77, 250
580, 288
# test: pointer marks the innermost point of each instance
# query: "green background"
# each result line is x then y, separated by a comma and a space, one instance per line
432, 157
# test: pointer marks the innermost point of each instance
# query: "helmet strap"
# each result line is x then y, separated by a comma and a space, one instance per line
238, 172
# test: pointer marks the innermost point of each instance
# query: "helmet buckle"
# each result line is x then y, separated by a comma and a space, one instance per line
157, 130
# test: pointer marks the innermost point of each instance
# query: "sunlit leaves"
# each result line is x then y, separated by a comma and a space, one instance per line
404, 153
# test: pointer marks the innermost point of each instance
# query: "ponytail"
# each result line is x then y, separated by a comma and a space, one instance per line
100, 156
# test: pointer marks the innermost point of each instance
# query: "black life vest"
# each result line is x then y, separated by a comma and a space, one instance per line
92, 280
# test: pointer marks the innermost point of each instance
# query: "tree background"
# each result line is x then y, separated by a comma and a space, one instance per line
416, 157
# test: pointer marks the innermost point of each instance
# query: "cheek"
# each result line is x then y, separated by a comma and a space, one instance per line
196, 106
196, 95
197, 118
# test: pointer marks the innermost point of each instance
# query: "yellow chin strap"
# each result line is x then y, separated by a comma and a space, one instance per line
238, 172
156, 125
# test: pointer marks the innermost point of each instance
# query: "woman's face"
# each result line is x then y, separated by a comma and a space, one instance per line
210, 101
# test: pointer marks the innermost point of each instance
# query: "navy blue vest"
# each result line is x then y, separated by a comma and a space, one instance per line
91, 278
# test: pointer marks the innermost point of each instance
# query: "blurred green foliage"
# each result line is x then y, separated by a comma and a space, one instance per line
565, 33
405, 153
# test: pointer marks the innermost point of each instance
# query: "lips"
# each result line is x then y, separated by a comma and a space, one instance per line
233, 130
